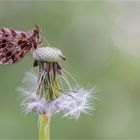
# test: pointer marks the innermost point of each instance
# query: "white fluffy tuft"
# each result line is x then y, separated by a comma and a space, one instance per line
71, 103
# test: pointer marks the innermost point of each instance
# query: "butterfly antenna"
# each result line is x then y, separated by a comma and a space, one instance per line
48, 44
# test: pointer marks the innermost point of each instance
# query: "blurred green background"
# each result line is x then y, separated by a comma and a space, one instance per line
101, 40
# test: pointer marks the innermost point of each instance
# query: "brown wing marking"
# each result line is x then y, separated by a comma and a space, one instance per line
15, 44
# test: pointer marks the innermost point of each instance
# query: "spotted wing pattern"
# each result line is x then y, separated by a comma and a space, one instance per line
15, 44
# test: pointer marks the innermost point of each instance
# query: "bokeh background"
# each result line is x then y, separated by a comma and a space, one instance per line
101, 40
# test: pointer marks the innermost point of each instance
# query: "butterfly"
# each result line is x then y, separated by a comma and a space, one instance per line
15, 44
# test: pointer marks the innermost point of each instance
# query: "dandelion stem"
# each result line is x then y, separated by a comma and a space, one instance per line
44, 132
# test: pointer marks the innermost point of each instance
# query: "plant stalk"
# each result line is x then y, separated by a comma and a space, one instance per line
44, 130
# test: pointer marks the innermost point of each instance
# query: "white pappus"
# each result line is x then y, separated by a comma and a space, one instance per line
71, 102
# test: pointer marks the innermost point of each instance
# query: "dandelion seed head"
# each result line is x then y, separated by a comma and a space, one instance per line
44, 92
70, 103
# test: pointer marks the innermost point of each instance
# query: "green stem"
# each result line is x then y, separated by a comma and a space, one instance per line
44, 130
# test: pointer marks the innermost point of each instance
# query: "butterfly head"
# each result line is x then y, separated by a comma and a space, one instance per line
37, 34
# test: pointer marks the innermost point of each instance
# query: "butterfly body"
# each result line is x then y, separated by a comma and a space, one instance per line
15, 44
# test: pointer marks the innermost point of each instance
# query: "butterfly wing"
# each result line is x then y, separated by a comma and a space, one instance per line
13, 45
